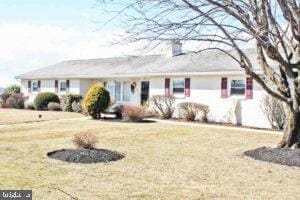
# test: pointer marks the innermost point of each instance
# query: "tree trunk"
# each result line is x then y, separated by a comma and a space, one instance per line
291, 137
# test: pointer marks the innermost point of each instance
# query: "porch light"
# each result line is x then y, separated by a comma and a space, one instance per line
133, 85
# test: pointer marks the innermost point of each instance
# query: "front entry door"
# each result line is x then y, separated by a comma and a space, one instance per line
144, 91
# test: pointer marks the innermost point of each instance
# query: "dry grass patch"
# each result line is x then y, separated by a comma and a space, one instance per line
14, 116
162, 162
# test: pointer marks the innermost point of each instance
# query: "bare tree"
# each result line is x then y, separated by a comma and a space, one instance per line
272, 26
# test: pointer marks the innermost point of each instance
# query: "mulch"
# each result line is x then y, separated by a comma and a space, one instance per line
290, 157
86, 155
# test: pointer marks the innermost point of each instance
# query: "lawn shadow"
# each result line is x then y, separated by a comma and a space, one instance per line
289, 157
145, 121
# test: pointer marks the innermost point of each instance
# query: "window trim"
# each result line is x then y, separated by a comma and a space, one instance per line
120, 82
229, 86
60, 82
122, 89
178, 79
32, 88
113, 85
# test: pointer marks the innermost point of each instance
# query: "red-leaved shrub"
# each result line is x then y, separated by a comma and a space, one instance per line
85, 140
133, 113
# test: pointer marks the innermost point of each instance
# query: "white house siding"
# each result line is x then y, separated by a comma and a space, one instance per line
84, 86
204, 89
74, 86
48, 85
207, 90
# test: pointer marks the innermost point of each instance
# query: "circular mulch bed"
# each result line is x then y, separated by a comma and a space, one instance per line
85, 155
290, 157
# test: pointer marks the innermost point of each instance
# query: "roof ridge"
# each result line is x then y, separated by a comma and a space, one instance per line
109, 58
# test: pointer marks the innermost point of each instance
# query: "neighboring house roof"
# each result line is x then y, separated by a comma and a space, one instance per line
210, 62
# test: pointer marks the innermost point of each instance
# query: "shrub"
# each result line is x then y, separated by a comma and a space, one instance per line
274, 111
4, 105
85, 140
29, 105
96, 100
15, 101
190, 110
133, 113
205, 111
163, 105
54, 106
77, 106
67, 101
16, 89
4, 97
43, 99
116, 109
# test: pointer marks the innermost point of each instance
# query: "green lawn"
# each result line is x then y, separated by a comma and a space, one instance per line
13, 116
162, 162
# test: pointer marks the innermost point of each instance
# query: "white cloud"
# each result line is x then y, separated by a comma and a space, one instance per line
24, 47
19, 40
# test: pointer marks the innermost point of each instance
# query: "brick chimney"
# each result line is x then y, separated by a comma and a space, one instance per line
176, 48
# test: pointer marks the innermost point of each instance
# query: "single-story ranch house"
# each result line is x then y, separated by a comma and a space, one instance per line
210, 78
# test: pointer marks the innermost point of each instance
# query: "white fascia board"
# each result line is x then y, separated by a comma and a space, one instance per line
186, 74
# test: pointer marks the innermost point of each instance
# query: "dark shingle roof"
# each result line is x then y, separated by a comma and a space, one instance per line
140, 66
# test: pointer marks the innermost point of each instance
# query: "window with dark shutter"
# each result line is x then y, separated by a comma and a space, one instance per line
35, 86
39, 86
187, 89
224, 87
56, 86
249, 88
167, 86
237, 87
29, 86
68, 86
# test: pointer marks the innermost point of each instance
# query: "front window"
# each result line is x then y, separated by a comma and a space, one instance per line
126, 91
110, 88
237, 87
178, 86
117, 91
63, 86
35, 86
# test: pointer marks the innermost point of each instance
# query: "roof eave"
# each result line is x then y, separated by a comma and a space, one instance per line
215, 73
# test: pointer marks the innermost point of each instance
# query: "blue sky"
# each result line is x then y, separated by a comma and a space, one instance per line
37, 33
66, 13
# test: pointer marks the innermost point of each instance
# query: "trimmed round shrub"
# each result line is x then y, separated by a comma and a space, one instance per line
42, 100
96, 100
54, 106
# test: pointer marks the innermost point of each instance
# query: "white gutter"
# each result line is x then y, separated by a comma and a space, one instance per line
121, 75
